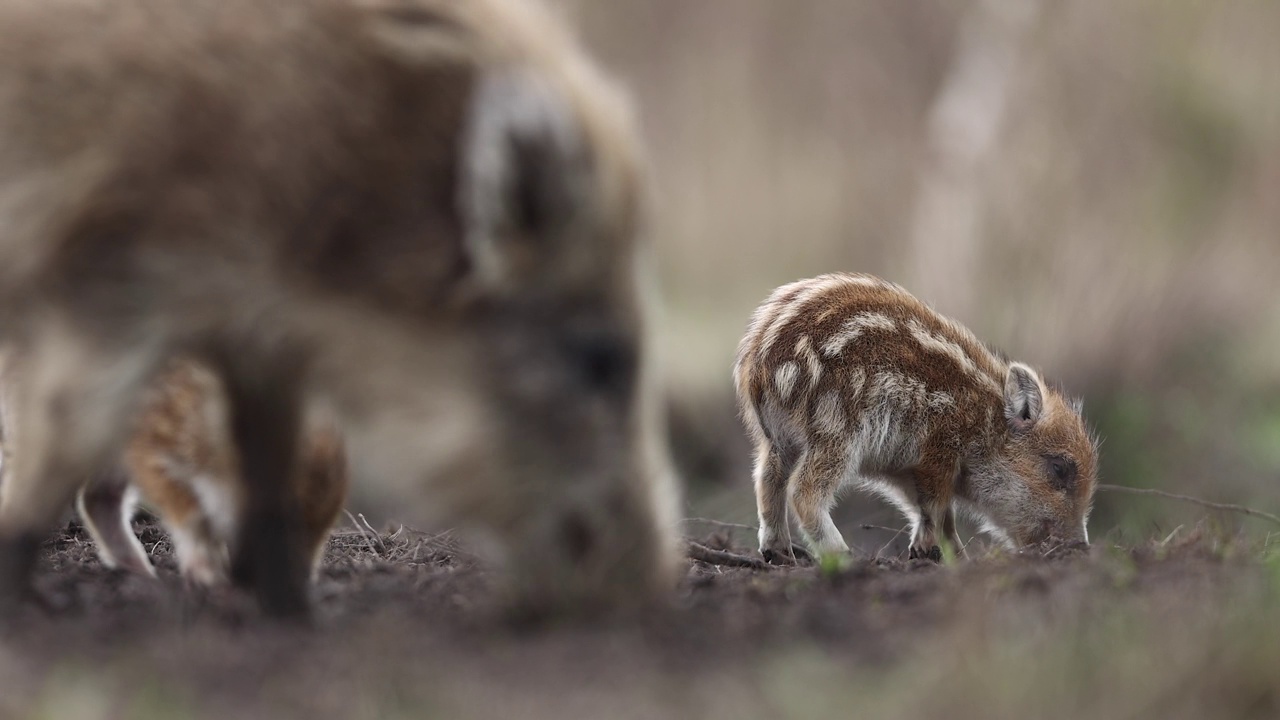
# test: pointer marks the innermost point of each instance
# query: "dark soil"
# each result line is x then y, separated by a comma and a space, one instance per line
405, 628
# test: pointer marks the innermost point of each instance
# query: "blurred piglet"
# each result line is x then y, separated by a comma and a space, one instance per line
180, 462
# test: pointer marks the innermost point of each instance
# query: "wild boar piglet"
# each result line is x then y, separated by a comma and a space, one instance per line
848, 380
180, 463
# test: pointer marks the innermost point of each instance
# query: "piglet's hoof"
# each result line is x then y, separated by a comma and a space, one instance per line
795, 556
934, 553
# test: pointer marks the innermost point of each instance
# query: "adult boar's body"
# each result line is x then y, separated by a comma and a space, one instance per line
422, 213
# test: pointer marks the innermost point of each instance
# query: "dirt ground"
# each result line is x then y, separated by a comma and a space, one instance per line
1184, 627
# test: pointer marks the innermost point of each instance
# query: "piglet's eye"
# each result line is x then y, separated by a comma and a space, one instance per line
1063, 473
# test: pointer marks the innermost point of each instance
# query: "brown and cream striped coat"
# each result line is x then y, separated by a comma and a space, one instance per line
181, 463
848, 379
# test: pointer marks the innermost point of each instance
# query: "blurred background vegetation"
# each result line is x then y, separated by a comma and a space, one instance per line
1092, 187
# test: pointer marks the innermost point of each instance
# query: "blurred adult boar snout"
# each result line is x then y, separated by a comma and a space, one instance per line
426, 213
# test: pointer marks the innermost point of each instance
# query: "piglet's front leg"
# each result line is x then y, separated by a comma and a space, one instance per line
924, 542
933, 485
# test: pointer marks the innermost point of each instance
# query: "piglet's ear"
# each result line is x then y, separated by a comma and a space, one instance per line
1023, 397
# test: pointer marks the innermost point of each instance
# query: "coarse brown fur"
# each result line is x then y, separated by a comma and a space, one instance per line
423, 212
846, 378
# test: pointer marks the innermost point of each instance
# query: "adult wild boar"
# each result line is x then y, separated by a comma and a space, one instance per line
422, 212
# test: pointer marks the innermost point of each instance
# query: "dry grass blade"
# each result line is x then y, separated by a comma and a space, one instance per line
884, 547
721, 523
895, 531
405, 544
1227, 507
370, 537
377, 536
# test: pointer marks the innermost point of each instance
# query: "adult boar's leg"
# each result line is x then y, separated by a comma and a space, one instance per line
264, 393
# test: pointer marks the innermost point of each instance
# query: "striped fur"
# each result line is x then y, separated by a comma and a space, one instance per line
181, 463
846, 379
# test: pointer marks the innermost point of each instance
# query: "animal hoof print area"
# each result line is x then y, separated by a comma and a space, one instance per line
933, 554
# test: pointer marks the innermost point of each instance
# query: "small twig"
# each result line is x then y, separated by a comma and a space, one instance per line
1194, 501
721, 523
895, 537
365, 533
702, 553
895, 531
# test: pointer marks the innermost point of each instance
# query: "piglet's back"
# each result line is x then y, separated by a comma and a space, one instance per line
866, 341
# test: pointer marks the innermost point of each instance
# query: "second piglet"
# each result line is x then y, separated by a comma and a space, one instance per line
847, 379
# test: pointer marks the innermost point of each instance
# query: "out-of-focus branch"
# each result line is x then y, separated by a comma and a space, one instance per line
702, 553
1228, 507
721, 523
